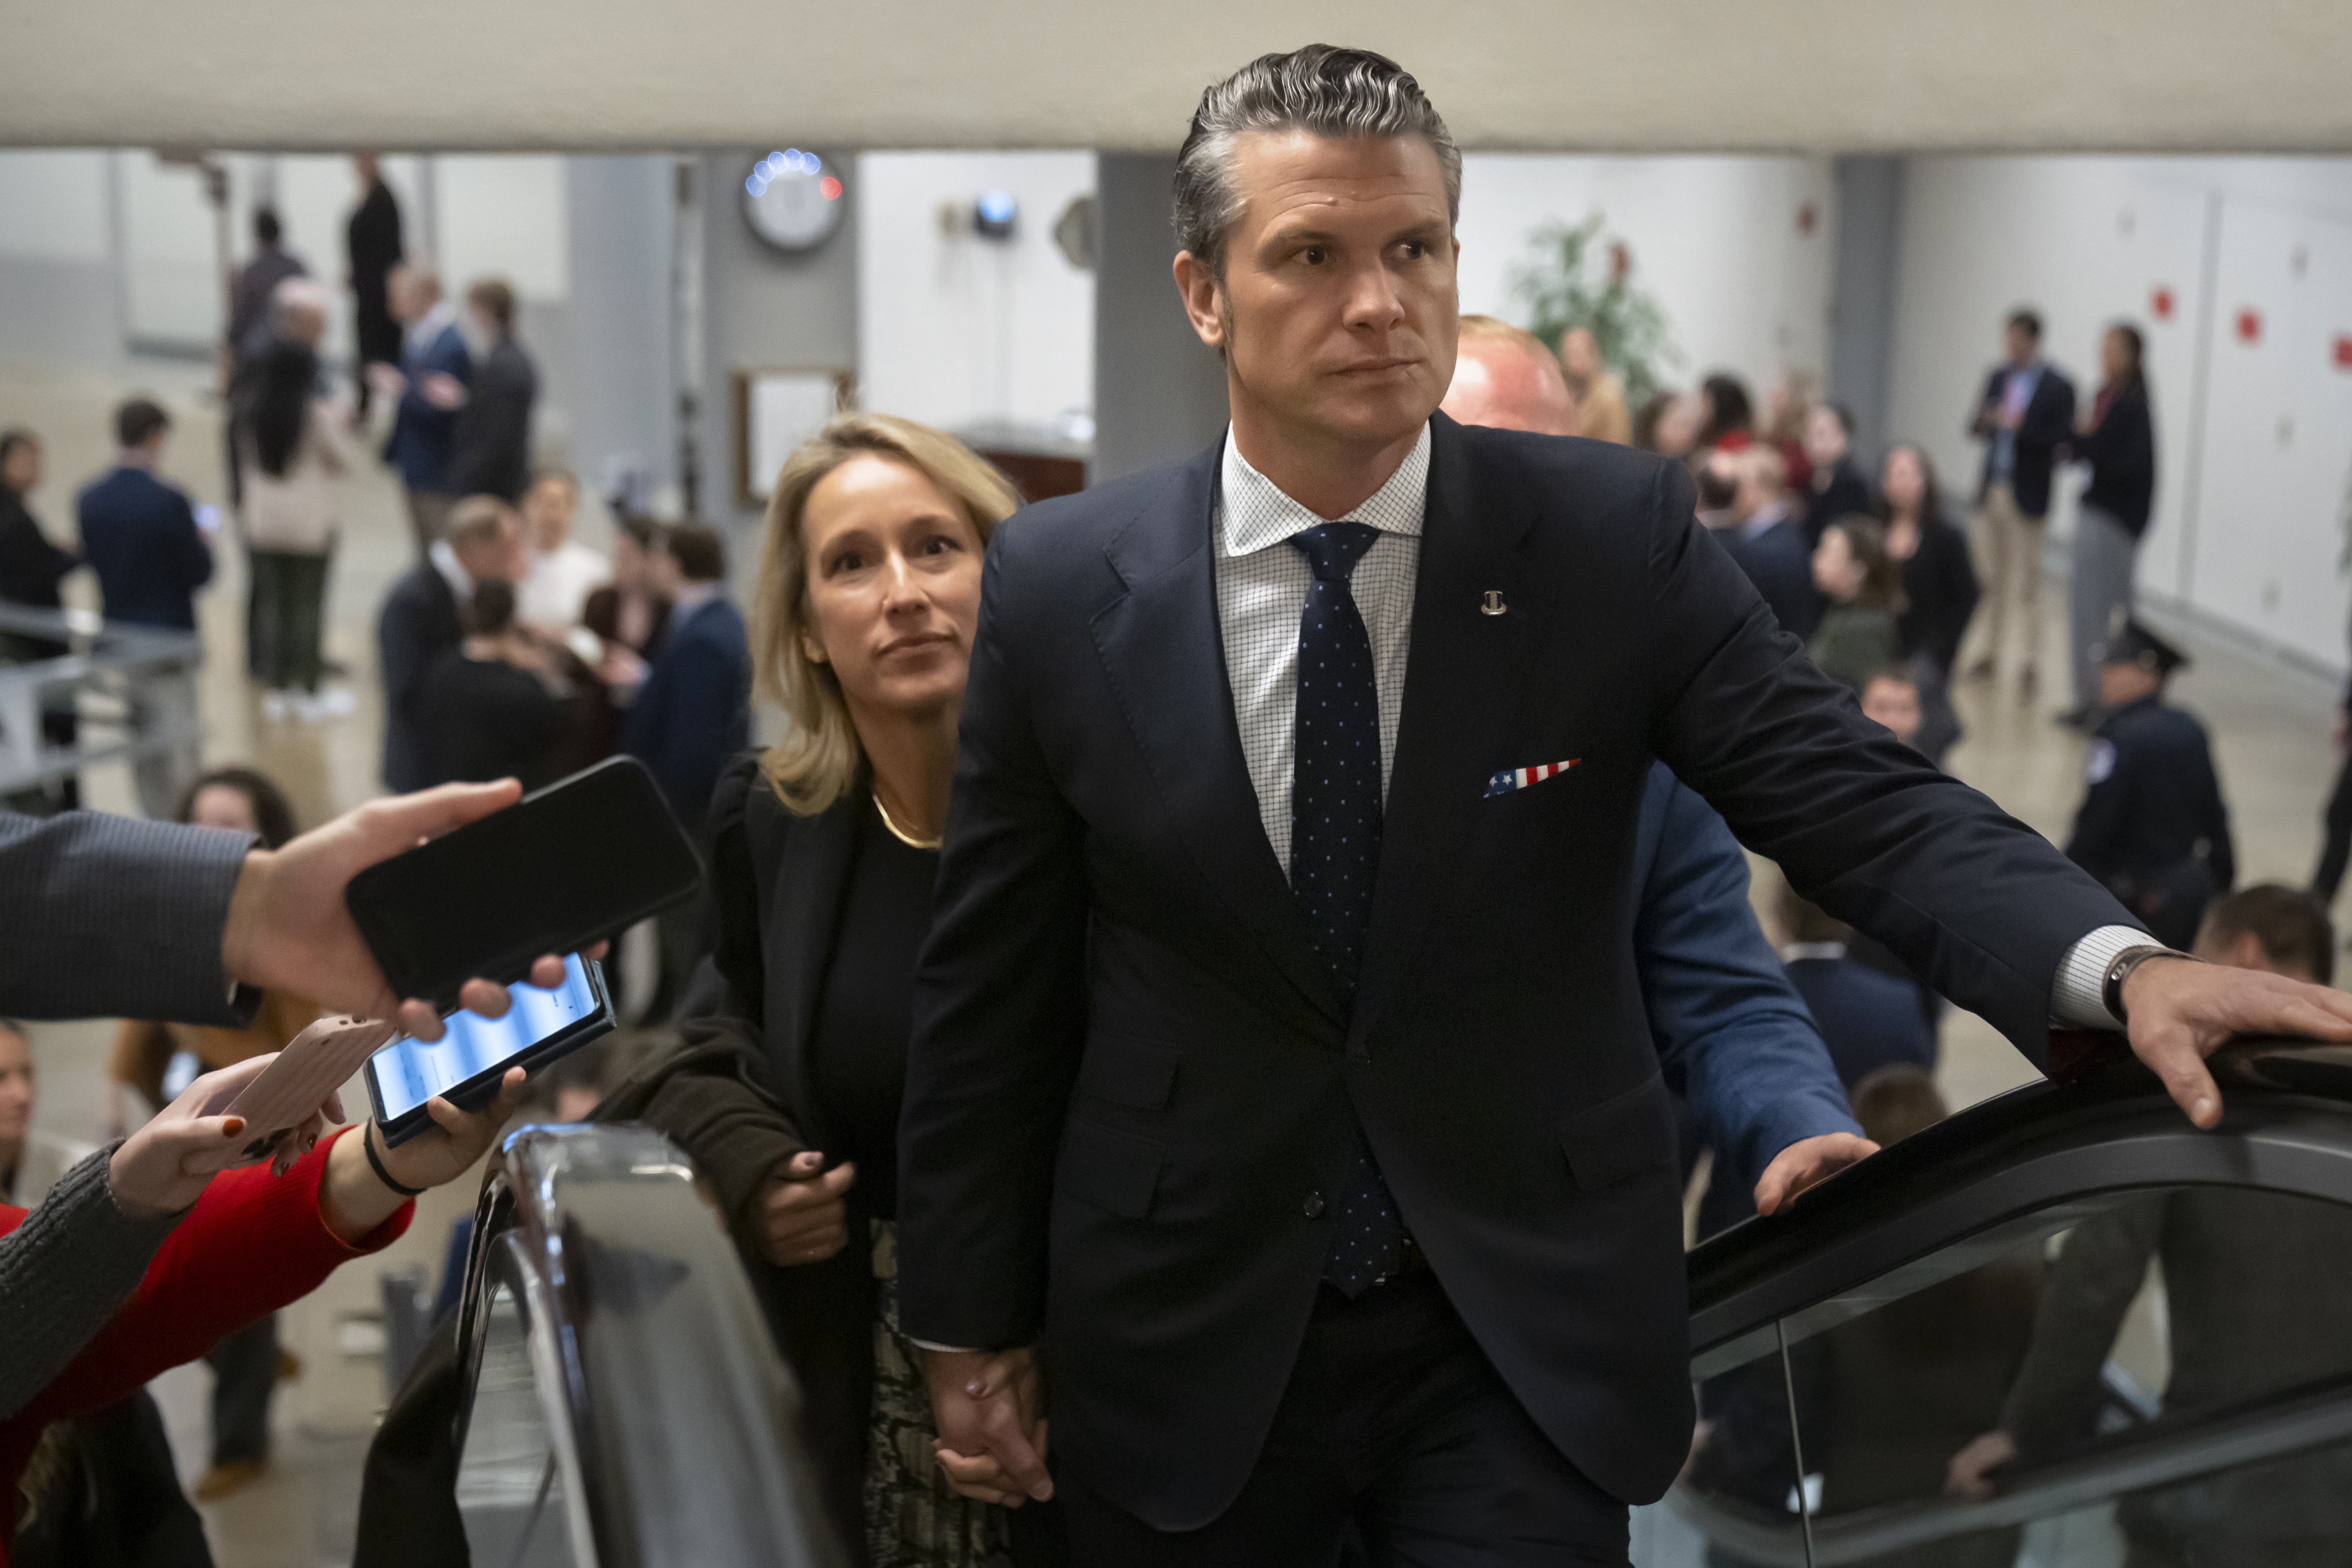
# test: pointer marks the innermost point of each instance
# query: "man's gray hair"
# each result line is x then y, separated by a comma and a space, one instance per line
1322, 89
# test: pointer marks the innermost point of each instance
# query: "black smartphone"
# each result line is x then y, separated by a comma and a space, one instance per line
563, 868
465, 1065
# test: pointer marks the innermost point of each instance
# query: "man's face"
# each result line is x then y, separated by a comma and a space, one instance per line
2021, 344
2125, 683
1498, 383
547, 512
1338, 311
1895, 704
501, 557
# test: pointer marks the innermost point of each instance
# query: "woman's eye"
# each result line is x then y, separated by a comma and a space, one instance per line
848, 561
938, 544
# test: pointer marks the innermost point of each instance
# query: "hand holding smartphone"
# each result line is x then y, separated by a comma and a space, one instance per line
465, 1066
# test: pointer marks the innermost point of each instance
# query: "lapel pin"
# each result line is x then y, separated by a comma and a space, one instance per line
1510, 779
1491, 603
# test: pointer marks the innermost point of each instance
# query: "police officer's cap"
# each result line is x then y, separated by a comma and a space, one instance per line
2133, 643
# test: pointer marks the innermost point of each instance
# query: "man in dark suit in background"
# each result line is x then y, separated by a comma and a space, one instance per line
491, 450
372, 247
1768, 539
692, 713
2025, 416
1279, 1060
430, 383
420, 621
151, 552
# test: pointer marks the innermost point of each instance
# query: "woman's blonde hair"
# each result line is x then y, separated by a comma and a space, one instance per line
817, 762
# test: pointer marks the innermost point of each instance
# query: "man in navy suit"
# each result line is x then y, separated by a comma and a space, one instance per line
430, 384
142, 538
692, 713
1768, 541
421, 620
1279, 1062
2025, 416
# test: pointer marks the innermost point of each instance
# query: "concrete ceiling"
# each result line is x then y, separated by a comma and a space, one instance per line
1556, 75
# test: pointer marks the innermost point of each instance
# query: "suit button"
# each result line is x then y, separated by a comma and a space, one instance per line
1313, 1207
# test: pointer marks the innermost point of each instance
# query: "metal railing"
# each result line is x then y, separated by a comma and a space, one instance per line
625, 1406
100, 678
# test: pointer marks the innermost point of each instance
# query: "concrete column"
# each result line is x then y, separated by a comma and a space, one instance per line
1159, 395
1862, 295
622, 403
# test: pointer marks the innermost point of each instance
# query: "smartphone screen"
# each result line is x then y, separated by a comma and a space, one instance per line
565, 867
409, 1071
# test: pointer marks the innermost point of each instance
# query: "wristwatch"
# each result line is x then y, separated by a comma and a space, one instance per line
2120, 967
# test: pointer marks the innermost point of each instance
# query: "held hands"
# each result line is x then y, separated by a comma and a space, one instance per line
2182, 1013
1806, 1163
991, 1441
803, 1215
289, 926
163, 1167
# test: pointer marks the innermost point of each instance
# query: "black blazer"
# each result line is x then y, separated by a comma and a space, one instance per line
1781, 564
1940, 593
1846, 494
2121, 450
1131, 1078
490, 451
417, 626
2048, 425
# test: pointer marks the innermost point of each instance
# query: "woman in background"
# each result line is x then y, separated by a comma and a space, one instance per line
31, 570
160, 1060
491, 708
291, 441
1939, 588
1857, 636
2117, 438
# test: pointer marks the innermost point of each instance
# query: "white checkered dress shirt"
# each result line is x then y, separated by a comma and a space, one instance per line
1262, 585
1262, 582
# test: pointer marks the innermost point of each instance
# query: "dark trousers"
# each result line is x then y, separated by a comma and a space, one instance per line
244, 1375
2330, 874
288, 607
1396, 1428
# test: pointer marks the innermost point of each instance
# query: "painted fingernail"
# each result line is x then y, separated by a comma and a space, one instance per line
973, 1387
232, 1126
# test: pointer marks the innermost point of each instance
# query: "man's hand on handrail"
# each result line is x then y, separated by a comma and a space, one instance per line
289, 928
2179, 1014
1805, 1163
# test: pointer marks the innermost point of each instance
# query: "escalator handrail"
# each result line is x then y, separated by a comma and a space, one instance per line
2172, 1448
543, 1211
2024, 1164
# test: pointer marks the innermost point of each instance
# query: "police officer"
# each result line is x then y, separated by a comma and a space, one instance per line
2152, 826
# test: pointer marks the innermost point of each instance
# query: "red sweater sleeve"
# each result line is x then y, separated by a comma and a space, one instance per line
253, 1244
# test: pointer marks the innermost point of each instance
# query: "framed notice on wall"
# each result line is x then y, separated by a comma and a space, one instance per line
775, 411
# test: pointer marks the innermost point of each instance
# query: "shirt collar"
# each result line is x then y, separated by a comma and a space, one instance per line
443, 556
1257, 514
427, 326
692, 596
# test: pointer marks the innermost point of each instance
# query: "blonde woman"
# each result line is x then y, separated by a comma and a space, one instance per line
824, 849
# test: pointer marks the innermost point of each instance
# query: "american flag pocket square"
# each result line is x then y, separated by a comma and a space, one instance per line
1510, 779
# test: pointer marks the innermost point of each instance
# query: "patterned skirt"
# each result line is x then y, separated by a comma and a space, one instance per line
913, 1518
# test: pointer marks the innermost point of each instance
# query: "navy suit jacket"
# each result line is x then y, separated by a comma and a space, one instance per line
694, 710
423, 434
1781, 564
1131, 1080
2048, 425
1867, 1019
139, 535
1733, 1039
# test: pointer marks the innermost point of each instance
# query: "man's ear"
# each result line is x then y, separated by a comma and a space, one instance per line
1202, 292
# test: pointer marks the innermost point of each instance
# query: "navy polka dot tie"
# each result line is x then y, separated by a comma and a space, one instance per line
1335, 845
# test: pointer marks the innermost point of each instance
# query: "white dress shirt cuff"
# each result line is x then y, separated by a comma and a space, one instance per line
943, 1350
2076, 1000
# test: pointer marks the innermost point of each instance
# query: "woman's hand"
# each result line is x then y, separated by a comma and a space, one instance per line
354, 1200
162, 1168
803, 1211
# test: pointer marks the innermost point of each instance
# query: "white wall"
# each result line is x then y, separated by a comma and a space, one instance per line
1716, 241
955, 329
2249, 504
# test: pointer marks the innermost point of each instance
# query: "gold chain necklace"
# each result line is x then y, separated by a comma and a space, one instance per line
900, 834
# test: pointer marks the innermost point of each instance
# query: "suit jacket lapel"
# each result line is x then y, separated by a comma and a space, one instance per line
801, 911
1161, 646
1462, 680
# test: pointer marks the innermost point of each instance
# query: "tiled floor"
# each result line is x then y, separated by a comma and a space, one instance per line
2270, 724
